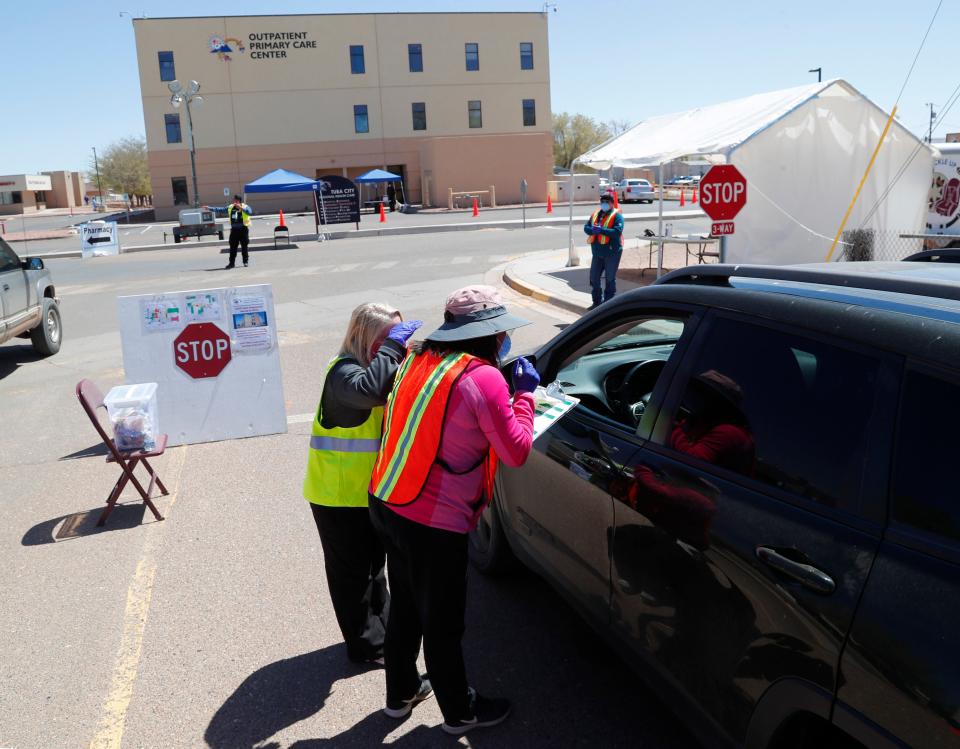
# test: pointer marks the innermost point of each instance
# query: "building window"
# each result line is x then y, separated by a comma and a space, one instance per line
356, 59
11, 198
179, 186
361, 123
172, 123
167, 72
475, 114
529, 112
526, 55
419, 115
473, 56
39, 196
415, 56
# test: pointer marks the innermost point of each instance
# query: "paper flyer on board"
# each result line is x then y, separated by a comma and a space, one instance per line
203, 306
161, 312
252, 328
548, 409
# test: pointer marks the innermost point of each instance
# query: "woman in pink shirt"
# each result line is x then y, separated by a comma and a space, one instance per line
446, 413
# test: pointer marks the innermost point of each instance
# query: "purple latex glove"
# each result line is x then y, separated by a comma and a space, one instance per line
525, 377
402, 331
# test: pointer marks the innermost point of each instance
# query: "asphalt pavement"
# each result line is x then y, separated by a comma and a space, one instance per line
136, 235
213, 627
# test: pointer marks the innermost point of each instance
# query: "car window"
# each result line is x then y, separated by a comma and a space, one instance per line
924, 490
615, 373
789, 411
8, 258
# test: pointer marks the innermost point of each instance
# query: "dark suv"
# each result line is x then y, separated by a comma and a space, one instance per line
756, 499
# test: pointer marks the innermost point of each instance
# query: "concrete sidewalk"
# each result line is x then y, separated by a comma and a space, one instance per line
546, 277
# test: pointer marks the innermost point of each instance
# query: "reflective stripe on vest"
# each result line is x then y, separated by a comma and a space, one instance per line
413, 424
341, 459
607, 223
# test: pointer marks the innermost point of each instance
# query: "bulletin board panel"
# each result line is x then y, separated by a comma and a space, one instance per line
207, 390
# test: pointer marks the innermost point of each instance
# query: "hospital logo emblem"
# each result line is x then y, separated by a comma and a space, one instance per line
224, 47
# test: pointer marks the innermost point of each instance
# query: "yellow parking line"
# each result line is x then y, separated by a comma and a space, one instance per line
114, 711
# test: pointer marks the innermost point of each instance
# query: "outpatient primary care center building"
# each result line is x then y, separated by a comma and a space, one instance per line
446, 100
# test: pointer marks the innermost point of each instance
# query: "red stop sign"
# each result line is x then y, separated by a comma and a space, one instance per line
723, 192
202, 350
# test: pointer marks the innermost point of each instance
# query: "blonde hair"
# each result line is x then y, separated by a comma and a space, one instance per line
367, 323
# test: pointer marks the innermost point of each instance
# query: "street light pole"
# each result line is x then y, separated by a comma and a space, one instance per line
933, 117
96, 165
819, 72
188, 96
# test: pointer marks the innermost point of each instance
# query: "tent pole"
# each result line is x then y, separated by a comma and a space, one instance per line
573, 258
316, 220
660, 220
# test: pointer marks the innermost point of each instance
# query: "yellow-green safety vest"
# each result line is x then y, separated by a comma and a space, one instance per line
341, 459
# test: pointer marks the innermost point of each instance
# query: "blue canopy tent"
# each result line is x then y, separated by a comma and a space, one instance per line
282, 180
380, 176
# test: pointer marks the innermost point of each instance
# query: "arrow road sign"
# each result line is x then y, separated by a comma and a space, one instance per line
98, 238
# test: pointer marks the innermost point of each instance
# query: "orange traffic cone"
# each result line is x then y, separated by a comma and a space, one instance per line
282, 223
694, 195
549, 205
682, 202
476, 211
383, 216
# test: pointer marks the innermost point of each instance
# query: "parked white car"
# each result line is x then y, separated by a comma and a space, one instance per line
635, 190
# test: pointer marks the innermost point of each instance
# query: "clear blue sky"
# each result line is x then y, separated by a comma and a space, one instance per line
74, 84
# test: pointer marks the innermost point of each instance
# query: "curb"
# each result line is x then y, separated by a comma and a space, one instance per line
512, 279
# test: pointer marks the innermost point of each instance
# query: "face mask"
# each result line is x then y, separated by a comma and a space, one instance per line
504, 348
604, 207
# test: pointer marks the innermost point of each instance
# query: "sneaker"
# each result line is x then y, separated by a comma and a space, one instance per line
229, 266
402, 708
245, 263
486, 712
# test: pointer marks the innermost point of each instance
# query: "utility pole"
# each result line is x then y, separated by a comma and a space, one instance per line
188, 96
819, 72
96, 165
933, 117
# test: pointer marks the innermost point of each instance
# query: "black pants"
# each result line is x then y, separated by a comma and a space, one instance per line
239, 236
427, 568
354, 560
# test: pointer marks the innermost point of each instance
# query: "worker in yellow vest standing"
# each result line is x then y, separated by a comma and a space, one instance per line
448, 420
604, 232
343, 449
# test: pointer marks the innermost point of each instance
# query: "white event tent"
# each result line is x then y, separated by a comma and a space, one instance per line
803, 151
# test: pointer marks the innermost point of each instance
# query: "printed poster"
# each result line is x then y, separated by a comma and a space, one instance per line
203, 306
252, 329
160, 313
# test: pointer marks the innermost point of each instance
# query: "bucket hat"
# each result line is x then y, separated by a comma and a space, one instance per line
475, 312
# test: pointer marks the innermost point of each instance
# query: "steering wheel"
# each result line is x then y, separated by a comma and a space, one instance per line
629, 403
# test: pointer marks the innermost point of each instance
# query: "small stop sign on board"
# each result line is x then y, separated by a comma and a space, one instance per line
723, 192
202, 350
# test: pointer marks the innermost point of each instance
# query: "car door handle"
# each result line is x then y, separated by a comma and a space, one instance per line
593, 463
806, 574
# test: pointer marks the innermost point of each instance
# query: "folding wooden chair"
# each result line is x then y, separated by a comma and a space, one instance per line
92, 399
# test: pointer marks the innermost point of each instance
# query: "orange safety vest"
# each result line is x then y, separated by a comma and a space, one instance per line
413, 428
607, 223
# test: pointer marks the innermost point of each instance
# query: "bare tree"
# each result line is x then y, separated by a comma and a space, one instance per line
574, 135
123, 167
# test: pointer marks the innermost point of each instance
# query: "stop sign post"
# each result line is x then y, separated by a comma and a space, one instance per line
723, 194
202, 350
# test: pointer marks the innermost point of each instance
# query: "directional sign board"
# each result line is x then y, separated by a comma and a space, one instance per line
723, 192
99, 238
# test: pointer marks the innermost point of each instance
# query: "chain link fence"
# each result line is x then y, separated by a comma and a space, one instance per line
871, 244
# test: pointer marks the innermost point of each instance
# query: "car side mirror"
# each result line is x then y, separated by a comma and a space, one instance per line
33, 263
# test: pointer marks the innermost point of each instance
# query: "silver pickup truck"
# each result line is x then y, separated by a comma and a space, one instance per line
29, 307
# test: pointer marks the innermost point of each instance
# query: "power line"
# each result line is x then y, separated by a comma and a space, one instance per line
917, 56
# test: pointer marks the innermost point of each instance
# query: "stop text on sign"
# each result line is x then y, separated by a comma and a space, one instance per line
723, 192
201, 350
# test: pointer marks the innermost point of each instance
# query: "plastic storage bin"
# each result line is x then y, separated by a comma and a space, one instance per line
132, 410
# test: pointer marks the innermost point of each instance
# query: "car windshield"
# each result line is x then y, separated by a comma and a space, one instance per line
647, 333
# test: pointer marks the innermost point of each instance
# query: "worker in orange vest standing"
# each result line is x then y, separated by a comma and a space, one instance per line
604, 232
449, 418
